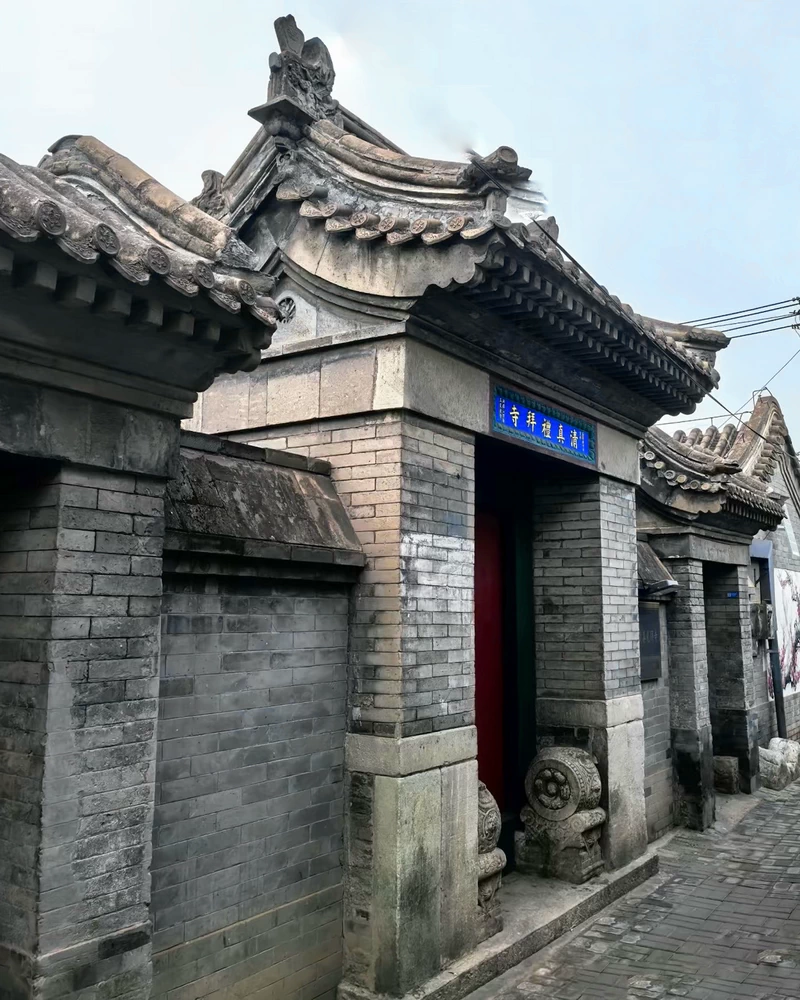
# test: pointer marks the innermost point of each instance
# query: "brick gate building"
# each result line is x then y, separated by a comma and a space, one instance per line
390, 559
480, 399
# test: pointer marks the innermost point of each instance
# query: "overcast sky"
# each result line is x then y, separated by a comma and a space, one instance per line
665, 133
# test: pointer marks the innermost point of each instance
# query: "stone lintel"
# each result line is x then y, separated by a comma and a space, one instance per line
691, 546
65, 426
398, 757
589, 713
78, 375
395, 372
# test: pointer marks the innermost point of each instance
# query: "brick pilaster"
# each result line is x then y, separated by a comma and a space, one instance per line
692, 750
80, 581
731, 695
587, 641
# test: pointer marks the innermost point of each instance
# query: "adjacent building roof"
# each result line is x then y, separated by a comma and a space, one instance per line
237, 501
654, 579
709, 470
354, 185
105, 213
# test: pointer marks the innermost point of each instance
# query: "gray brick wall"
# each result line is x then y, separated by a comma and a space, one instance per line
658, 787
688, 658
729, 649
23, 706
784, 558
248, 830
81, 592
408, 485
586, 618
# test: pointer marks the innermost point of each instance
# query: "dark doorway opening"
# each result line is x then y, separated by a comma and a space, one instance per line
505, 679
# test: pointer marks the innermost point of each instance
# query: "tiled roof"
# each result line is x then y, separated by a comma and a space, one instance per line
99, 208
355, 186
729, 466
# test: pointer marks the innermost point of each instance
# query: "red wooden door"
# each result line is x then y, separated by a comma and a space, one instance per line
489, 651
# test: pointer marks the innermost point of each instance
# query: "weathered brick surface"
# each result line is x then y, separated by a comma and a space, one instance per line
408, 486
784, 558
248, 830
734, 720
688, 659
658, 787
80, 688
23, 708
586, 618
728, 637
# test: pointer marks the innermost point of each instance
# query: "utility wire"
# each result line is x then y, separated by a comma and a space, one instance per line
748, 321
777, 373
772, 329
739, 312
751, 314
694, 420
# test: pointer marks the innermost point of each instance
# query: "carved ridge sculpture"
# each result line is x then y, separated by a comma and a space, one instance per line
491, 862
563, 820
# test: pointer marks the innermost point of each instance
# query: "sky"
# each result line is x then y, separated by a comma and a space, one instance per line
665, 133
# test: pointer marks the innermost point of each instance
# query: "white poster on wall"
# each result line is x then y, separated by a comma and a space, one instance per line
786, 597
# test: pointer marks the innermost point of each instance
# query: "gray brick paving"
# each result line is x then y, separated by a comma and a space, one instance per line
722, 920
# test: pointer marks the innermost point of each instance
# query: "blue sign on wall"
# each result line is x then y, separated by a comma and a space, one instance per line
527, 420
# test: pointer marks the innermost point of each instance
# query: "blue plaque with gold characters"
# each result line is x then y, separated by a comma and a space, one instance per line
531, 422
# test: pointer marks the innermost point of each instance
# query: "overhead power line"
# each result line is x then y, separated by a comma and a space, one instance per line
772, 329
777, 373
740, 312
758, 319
696, 420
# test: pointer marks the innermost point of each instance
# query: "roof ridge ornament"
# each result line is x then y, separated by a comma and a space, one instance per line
300, 83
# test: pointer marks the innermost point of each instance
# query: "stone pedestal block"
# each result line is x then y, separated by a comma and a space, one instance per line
780, 764
790, 751
613, 733
726, 775
491, 862
775, 772
562, 821
411, 895
693, 764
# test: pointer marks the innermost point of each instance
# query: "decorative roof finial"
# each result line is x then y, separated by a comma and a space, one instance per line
300, 82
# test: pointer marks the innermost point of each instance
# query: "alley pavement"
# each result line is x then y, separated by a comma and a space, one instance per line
721, 920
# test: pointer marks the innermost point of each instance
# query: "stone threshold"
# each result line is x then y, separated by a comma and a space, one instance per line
535, 911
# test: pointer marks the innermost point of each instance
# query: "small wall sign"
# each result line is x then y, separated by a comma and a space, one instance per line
650, 642
533, 423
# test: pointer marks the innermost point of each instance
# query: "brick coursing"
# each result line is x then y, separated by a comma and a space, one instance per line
688, 660
783, 558
585, 597
408, 485
729, 653
248, 828
80, 585
658, 788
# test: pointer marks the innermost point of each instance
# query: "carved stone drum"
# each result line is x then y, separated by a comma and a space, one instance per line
491, 862
561, 781
563, 820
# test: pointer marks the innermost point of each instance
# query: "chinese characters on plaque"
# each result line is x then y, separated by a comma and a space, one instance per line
542, 426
